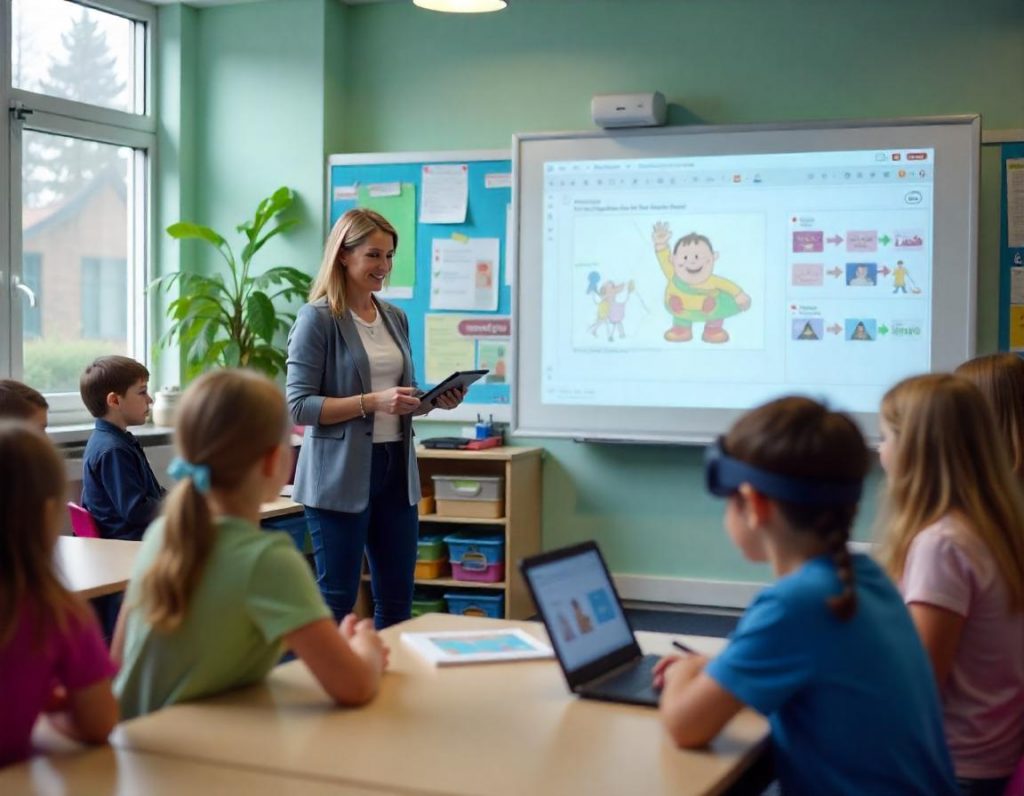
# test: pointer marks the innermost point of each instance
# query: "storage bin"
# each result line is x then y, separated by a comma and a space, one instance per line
477, 558
423, 603
470, 496
476, 604
429, 570
294, 526
430, 548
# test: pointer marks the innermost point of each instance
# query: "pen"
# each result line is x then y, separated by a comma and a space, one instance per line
681, 646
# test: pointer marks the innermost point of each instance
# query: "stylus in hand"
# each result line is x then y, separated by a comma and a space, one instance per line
681, 646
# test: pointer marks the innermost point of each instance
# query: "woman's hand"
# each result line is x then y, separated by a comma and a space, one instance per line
395, 401
451, 399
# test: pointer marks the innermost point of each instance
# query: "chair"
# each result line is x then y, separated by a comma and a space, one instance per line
82, 523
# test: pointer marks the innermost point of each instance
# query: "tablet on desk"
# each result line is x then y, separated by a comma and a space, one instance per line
460, 378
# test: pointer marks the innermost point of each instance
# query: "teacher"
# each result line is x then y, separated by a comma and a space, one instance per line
350, 382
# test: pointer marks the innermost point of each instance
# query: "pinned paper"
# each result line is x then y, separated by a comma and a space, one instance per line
381, 189
445, 194
498, 180
464, 274
1017, 285
345, 193
1015, 203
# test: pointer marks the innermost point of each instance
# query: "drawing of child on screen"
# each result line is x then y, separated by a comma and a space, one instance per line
611, 308
694, 294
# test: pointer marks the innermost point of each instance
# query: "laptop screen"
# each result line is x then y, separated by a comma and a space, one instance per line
582, 613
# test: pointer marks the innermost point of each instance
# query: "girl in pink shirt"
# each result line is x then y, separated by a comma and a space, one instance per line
52, 657
953, 526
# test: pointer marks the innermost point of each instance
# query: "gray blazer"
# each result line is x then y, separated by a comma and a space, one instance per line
326, 358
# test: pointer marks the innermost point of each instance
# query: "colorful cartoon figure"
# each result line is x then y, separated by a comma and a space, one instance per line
694, 294
611, 307
899, 278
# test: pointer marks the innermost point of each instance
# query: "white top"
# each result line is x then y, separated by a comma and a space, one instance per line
385, 372
983, 700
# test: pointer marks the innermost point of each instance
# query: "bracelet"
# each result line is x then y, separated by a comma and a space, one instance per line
362, 408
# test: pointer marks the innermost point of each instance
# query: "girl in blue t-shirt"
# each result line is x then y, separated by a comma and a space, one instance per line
828, 652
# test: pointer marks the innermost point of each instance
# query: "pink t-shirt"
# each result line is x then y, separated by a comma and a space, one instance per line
983, 700
76, 658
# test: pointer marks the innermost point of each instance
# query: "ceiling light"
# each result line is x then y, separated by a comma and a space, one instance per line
462, 6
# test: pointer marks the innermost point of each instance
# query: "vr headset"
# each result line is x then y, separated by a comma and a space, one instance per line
724, 475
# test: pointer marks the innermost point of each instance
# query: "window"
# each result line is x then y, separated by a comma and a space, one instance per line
31, 264
104, 287
79, 141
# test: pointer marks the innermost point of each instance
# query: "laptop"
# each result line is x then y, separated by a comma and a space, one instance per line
592, 637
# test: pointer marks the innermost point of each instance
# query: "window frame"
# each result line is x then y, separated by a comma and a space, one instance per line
137, 130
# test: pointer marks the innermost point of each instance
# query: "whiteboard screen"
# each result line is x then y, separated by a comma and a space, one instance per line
669, 279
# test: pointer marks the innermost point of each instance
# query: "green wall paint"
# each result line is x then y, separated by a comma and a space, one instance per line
287, 81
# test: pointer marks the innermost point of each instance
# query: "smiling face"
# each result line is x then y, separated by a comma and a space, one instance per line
694, 261
368, 264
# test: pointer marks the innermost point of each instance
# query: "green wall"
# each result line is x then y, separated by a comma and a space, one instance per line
285, 82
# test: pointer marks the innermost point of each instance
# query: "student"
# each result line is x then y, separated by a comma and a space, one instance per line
828, 653
953, 528
21, 402
1000, 377
213, 595
52, 657
118, 485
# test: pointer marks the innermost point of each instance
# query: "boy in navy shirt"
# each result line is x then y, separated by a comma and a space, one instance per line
118, 485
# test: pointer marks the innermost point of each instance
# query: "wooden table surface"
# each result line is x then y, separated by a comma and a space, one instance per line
94, 567
504, 729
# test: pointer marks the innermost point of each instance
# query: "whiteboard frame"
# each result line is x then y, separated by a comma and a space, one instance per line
867, 421
501, 413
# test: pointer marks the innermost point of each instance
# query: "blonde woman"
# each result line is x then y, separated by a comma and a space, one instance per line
953, 533
1000, 377
351, 384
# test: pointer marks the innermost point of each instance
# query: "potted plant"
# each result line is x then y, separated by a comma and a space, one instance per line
231, 319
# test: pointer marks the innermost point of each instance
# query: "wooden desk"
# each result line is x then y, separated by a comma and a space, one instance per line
117, 772
280, 507
94, 567
502, 729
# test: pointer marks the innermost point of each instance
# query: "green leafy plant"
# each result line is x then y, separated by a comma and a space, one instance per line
231, 319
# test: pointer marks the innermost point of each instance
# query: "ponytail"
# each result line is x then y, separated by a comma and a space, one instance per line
802, 440
189, 537
226, 421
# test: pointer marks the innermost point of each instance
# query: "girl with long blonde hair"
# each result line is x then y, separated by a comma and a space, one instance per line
214, 598
952, 529
52, 654
1000, 377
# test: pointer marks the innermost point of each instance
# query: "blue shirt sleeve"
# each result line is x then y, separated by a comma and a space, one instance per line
768, 659
127, 486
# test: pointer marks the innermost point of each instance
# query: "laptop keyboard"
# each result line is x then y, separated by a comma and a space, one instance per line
634, 679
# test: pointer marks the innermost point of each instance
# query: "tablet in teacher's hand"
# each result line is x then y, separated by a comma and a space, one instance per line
460, 378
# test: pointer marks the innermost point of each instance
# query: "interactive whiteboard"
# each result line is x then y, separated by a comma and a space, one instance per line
669, 279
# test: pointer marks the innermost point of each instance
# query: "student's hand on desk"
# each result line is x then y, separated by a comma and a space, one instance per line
396, 401
365, 641
450, 399
674, 668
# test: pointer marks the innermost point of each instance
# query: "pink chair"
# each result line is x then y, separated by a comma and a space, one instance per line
82, 523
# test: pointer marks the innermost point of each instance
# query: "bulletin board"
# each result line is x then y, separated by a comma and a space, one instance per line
1011, 250
451, 270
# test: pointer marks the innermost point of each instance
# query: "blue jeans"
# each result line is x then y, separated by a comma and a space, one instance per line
387, 529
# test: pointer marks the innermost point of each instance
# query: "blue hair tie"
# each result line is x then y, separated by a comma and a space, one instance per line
199, 473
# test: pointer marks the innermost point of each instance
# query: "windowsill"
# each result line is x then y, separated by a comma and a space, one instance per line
64, 436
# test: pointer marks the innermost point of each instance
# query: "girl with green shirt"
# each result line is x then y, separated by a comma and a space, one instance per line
213, 598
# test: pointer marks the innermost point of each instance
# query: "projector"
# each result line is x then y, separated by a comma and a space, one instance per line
628, 110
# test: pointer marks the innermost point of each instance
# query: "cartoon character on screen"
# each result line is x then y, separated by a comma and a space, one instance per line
611, 301
583, 622
694, 294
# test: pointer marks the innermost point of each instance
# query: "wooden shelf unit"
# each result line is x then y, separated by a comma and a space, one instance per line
520, 467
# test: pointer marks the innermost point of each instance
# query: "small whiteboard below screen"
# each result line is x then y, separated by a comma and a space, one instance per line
669, 279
